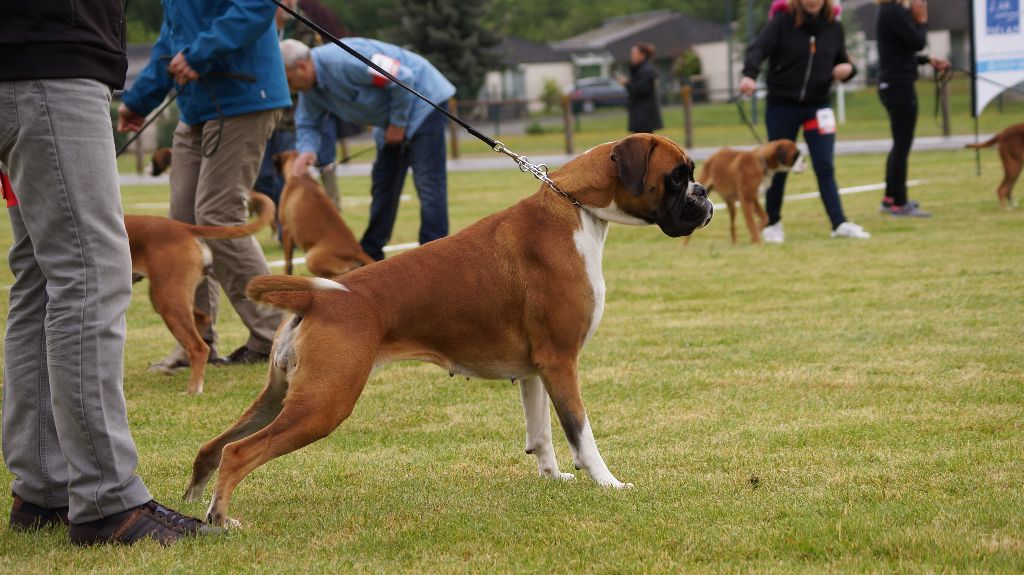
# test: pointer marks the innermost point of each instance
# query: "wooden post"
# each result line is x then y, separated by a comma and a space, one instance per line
567, 123
140, 156
453, 128
944, 104
686, 92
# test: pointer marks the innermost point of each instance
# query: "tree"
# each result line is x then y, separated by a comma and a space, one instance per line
452, 36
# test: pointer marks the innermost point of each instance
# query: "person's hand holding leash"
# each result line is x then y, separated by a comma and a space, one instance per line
127, 120
842, 71
302, 163
181, 71
747, 86
394, 135
940, 64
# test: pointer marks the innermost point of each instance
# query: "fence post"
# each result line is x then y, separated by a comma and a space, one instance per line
140, 156
686, 92
944, 104
453, 130
567, 123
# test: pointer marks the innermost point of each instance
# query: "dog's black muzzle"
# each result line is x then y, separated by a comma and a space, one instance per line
684, 210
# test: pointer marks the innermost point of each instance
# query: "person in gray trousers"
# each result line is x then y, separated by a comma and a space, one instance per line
65, 427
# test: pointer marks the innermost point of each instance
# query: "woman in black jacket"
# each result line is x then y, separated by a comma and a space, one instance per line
644, 111
902, 32
806, 51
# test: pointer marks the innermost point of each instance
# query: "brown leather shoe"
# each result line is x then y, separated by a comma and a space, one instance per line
148, 521
26, 516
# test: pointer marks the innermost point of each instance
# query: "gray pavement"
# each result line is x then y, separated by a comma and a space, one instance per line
497, 162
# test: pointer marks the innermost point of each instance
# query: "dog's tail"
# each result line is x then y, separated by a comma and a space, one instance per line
990, 142
293, 293
264, 208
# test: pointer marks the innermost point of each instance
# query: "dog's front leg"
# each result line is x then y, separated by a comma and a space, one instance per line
538, 427
563, 386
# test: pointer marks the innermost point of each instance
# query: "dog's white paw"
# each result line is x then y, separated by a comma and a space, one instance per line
232, 523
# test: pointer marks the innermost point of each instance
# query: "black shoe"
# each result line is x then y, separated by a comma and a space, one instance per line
246, 356
26, 516
148, 521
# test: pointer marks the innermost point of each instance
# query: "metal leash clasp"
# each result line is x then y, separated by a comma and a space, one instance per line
539, 171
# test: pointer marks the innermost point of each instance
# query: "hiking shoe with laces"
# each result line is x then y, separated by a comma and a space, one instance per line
850, 230
773, 234
27, 516
177, 361
246, 356
147, 521
908, 210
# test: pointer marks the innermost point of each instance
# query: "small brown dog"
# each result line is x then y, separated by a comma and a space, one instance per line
160, 162
743, 176
170, 254
309, 219
1011, 152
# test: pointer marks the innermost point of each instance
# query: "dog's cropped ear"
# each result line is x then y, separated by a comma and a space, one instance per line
781, 155
631, 157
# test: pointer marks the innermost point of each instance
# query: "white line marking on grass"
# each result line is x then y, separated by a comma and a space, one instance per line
359, 201
807, 196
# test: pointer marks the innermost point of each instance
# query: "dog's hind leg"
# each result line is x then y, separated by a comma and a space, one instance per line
562, 383
538, 427
176, 309
323, 389
266, 407
1011, 171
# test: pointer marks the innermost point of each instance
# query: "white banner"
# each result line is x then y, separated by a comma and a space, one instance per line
998, 49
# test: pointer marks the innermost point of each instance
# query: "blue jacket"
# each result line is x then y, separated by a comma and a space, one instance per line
217, 36
352, 91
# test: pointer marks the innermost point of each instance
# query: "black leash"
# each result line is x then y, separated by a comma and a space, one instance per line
151, 119
738, 100
539, 171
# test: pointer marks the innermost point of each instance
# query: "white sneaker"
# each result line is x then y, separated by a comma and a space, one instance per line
773, 234
850, 230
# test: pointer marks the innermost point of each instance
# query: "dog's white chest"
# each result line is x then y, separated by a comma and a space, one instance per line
589, 240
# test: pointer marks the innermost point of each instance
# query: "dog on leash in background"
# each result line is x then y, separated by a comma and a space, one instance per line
742, 177
310, 220
160, 162
514, 296
171, 255
1011, 152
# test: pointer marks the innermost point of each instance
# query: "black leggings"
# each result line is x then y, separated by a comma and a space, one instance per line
900, 100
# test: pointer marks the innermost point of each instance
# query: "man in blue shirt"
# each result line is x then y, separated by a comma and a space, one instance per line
409, 133
225, 63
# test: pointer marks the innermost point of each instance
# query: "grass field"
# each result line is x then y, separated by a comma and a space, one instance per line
821, 406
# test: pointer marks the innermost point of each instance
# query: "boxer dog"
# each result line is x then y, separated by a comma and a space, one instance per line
170, 254
308, 218
514, 296
743, 176
1011, 152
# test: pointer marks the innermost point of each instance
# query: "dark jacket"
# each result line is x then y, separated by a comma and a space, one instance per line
796, 76
900, 38
45, 39
644, 111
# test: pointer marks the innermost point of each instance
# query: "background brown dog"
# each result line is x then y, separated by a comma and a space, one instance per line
741, 177
1011, 152
309, 218
170, 254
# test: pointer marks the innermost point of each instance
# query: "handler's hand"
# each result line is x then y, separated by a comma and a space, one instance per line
302, 162
181, 71
940, 64
747, 86
919, 11
394, 135
842, 71
127, 120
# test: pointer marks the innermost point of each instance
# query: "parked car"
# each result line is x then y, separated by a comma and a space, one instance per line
589, 93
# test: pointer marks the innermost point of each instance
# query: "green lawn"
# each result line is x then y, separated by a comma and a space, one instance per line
821, 406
